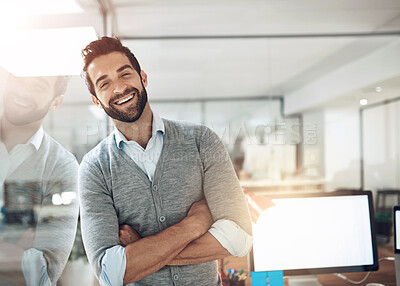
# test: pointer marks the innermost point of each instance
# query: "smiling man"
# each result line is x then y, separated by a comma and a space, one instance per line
160, 201
36, 237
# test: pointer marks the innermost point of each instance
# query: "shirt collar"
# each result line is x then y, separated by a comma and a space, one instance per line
37, 138
157, 125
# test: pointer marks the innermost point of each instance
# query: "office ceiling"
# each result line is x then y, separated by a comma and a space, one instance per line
374, 93
251, 17
209, 48
163, 34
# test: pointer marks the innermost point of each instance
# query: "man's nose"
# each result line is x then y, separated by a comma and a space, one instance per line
119, 87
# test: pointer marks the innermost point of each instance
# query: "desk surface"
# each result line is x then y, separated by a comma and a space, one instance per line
385, 275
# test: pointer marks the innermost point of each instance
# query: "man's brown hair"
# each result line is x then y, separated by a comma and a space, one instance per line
101, 47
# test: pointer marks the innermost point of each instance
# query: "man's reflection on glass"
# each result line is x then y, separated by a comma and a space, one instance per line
37, 185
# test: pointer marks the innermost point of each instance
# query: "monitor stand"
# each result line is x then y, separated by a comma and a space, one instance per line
306, 280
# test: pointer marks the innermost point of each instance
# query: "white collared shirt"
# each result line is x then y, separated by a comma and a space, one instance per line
147, 158
10, 161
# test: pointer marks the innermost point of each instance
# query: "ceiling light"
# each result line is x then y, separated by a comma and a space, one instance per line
363, 101
47, 52
378, 89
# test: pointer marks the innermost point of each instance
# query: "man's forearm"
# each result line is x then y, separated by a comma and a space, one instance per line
205, 248
147, 255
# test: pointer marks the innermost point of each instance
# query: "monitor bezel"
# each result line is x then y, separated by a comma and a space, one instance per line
395, 208
356, 268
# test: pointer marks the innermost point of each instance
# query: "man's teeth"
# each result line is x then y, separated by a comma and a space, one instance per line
124, 99
20, 102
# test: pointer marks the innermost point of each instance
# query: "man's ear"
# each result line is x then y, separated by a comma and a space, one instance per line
56, 102
96, 101
144, 78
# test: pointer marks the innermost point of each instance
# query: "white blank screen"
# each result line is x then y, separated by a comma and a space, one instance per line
317, 232
397, 229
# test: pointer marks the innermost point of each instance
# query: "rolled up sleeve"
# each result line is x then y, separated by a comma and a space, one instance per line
34, 268
113, 266
232, 237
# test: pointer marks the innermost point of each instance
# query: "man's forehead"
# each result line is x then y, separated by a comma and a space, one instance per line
46, 81
107, 63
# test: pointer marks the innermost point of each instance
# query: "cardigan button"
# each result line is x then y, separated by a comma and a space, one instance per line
162, 218
155, 188
176, 277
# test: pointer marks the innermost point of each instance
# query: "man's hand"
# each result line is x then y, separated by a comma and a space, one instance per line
201, 215
127, 235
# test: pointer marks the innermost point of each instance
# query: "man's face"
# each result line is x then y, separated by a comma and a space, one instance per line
120, 90
28, 99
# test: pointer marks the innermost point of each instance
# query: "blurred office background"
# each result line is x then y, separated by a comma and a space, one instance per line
305, 94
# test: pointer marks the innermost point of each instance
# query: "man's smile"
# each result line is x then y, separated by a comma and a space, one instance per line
21, 101
125, 99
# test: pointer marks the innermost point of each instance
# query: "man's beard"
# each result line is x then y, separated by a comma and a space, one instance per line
23, 116
133, 113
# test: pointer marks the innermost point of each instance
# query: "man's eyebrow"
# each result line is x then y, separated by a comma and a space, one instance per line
101, 78
38, 80
124, 67
118, 70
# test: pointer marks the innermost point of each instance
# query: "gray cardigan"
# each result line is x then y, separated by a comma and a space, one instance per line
114, 191
53, 170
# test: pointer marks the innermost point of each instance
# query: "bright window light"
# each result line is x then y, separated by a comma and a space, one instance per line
14, 13
67, 197
56, 199
40, 7
47, 52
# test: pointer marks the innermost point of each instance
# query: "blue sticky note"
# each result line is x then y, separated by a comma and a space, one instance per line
275, 278
259, 278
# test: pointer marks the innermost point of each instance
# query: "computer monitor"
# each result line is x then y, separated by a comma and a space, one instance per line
396, 220
396, 229
316, 233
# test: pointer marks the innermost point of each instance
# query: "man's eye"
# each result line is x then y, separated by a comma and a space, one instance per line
125, 74
40, 89
103, 84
